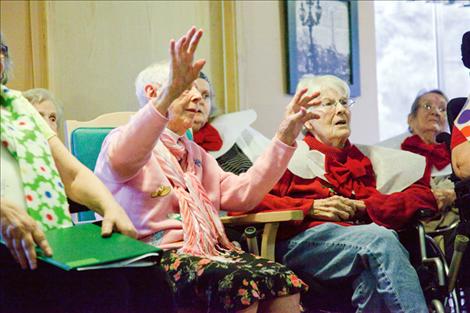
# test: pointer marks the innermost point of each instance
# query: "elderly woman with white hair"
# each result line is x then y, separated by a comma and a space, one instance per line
348, 194
173, 190
426, 120
47, 105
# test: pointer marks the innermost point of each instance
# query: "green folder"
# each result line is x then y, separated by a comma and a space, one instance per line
81, 247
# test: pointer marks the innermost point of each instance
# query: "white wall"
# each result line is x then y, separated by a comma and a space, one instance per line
262, 67
97, 48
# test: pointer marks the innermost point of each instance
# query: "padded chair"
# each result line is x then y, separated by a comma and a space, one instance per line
84, 140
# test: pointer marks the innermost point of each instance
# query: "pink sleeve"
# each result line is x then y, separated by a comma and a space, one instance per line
130, 147
244, 192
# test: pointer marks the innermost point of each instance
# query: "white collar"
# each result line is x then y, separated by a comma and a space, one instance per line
446, 171
230, 126
394, 169
172, 134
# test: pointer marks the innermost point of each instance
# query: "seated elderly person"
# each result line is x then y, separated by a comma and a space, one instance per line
173, 190
37, 175
47, 105
349, 200
229, 137
426, 120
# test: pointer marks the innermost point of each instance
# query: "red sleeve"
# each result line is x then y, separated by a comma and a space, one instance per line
279, 199
398, 209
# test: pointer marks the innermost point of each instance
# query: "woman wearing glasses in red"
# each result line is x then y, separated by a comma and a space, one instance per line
346, 191
426, 120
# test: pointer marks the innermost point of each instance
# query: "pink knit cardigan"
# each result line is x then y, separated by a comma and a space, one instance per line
128, 166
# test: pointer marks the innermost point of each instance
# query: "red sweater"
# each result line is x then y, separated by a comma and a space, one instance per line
349, 173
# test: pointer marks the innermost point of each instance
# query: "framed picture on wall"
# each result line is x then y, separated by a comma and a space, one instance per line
322, 38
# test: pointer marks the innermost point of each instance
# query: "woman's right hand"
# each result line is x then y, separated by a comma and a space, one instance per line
296, 115
183, 69
21, 234
336, 209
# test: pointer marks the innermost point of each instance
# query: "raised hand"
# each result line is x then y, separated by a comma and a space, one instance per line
296, 115
183, 71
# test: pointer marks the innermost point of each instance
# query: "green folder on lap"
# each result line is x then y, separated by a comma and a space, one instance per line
81, 248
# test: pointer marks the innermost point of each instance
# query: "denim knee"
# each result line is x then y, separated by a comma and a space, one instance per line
385, 240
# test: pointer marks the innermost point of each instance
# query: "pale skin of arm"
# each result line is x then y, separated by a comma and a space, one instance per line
21, 233
460, 160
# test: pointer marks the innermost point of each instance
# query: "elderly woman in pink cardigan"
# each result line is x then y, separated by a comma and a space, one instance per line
173, 190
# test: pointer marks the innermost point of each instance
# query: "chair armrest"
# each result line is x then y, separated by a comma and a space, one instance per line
264, 217
271, 222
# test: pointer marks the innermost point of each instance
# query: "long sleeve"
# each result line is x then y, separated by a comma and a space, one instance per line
278, 199
398, 209
244, 192
130, 146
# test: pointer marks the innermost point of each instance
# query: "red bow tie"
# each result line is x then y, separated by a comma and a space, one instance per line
436, 154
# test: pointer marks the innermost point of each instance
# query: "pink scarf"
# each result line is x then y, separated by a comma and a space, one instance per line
204, 233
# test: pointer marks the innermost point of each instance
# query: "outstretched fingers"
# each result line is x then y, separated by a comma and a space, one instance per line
188, 37
195, 41
310, 100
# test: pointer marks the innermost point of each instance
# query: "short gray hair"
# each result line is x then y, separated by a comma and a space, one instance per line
415, 104
155, 74
7, 61
213, 111
38, 95
323, 82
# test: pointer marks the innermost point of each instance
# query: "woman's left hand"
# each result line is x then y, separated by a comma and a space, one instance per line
444, 198
296, 115
117, 219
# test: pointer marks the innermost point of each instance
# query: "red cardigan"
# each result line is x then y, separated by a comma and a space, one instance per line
349, 173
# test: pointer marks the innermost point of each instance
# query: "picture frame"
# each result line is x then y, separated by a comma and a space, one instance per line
322, 38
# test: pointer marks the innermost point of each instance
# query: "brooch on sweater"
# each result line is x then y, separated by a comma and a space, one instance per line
161, 191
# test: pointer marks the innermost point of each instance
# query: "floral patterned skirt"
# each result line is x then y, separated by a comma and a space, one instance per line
227, 286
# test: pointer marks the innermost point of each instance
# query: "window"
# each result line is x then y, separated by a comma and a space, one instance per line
418, 48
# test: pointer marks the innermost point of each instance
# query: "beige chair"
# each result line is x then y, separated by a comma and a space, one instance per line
84, 140
108, 120
271, 221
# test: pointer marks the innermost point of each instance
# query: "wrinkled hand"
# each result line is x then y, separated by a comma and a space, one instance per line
444, 197
336, 209
182, 69
296, 115
116, 219
21, 234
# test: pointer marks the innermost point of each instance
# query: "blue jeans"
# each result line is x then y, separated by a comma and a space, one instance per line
370, 255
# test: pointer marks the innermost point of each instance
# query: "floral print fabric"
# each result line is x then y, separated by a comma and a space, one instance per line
44, 193
228, 286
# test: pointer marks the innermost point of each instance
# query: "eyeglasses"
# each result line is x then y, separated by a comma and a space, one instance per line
428, 107
4, 49
329, 104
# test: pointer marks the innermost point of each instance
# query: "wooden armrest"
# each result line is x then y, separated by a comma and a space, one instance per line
271, 221
264, 217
